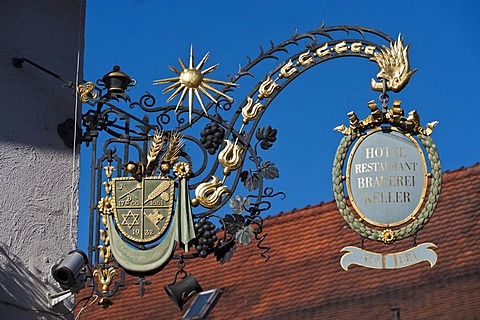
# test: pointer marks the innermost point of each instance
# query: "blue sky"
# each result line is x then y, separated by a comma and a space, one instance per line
145, 36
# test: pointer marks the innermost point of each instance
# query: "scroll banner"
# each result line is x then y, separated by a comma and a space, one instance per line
422, 252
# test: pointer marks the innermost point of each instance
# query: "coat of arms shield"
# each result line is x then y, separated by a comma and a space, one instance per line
143, 208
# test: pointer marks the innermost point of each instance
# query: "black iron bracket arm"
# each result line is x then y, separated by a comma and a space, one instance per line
65, 129
18, 63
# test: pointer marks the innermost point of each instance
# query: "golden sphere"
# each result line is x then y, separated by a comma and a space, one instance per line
195, 202
191, 78
165, 167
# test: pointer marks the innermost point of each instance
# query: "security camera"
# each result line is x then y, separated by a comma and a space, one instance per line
70, 271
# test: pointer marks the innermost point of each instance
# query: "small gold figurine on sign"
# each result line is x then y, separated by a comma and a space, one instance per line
394, 67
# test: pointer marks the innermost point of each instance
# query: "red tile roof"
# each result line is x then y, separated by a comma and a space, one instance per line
304, 280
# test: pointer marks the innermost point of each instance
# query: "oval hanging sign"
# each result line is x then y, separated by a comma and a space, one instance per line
386, 177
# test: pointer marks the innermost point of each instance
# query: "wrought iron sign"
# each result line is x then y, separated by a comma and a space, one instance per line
162, 175
386, 173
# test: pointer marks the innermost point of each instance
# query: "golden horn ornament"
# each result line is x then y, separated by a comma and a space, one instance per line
267, 88
250, 110
230, 157
209, 194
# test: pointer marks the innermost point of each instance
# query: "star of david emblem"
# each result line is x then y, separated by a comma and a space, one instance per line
133, 221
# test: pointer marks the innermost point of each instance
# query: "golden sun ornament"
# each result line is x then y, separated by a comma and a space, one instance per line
192, 81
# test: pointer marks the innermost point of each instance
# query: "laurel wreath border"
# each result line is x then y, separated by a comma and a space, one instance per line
406, 231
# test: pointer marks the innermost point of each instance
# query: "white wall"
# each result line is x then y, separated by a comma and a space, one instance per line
38, 173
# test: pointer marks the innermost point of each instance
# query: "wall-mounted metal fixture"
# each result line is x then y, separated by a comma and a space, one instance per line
70, 273
18, 63
162, 175
65, 129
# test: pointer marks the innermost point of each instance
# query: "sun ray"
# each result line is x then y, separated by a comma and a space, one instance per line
175, 70
175, 93
182, 97
202, 62
201, 101
209, 87
182, 64
190, 104
163, 81
207, 94
220, 82
191, 62
171, 87
210, 69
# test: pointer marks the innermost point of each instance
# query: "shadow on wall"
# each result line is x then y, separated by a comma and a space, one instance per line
22, 292
40, 111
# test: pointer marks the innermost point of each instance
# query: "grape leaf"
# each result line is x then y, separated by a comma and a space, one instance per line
238, 203
267, 136
253, 181
233, 222
244, 175
269, 171
245, 235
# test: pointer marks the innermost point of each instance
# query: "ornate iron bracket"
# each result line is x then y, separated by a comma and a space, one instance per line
224, 142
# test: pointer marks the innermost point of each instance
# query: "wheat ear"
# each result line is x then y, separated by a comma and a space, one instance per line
175, 145
156, 147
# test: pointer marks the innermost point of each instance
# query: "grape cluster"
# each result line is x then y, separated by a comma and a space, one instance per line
212, 137
205, 233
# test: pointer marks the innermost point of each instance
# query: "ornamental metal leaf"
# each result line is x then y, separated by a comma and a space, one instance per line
225, 253
245, 235
267, 136
244, 175
238, 204
234, 222
269, 171
252, 182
